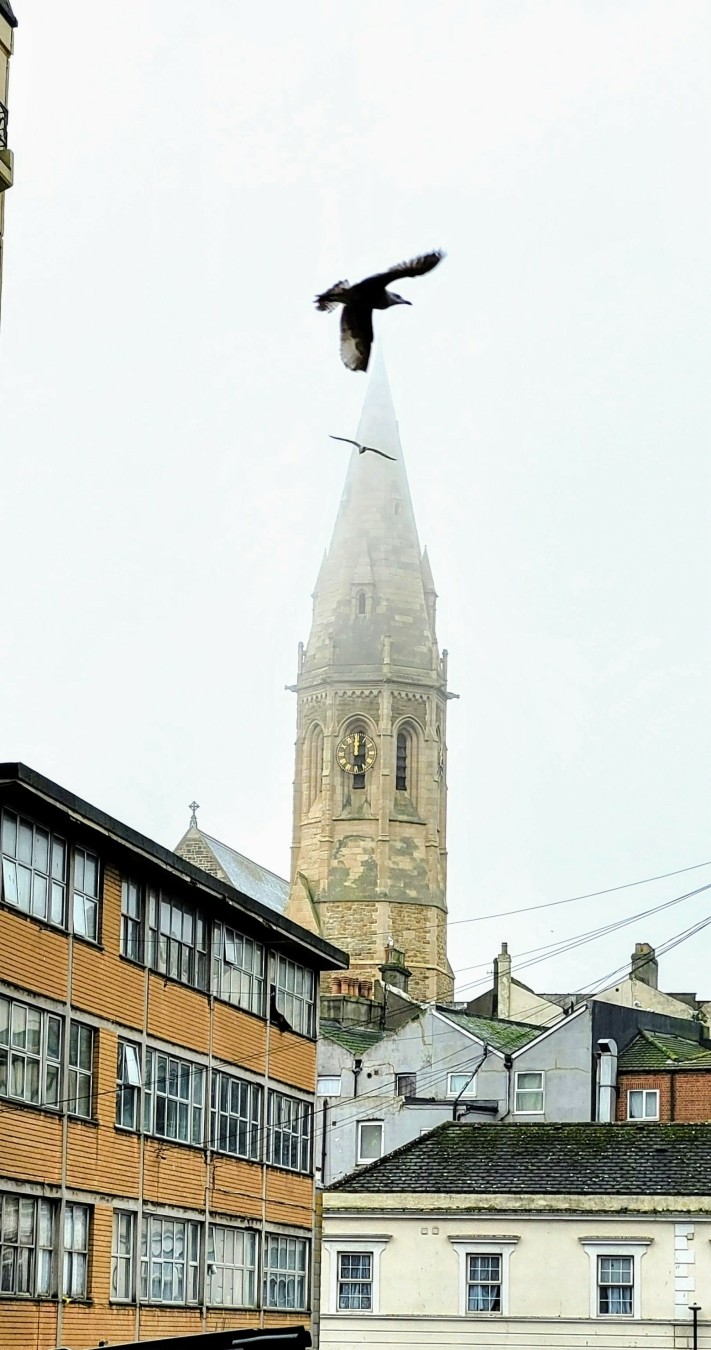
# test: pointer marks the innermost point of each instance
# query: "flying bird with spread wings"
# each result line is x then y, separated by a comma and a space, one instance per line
363, 449
360, 300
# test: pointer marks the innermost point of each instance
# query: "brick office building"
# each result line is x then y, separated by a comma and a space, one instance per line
157, 1075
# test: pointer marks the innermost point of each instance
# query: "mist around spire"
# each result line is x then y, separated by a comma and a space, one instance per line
371, 584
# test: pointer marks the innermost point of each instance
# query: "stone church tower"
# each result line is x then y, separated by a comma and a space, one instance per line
369, 842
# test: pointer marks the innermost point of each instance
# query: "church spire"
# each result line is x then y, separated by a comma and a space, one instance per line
373, 569
369, 841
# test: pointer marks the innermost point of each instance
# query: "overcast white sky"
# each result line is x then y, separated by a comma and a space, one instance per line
186, 178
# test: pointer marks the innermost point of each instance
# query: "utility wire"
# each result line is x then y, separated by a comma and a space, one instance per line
582, 939
591, 895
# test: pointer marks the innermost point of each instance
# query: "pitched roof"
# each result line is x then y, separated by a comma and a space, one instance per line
355, 1039
212, 856
504, 1036
250, 877
584, 1159
6, 11
654, 1050
25, 785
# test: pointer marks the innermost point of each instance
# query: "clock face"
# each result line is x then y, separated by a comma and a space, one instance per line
356, 752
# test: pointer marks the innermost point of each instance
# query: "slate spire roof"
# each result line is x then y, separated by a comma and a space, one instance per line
374, 545
459, 1158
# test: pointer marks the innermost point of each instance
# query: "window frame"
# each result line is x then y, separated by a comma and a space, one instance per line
500, 1245
530, 1091
595, 1249
411, 1075
251, 983
75, 1256
127, 1259
157, 1101
131, 938
360, 1160
49, 1066
329, 1078
295, 1132
356, 1246
252, 1124
91, 904
469, 1090
249, 1270
193, 1237
193, 954
644, 1093
129, 1080
10, 861
352, 1282
77, 1074
298, 1006
40, 1264
286, 1272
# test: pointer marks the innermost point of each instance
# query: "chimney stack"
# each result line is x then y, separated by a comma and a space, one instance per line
645, 967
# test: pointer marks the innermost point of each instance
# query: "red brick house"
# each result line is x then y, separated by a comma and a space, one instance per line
664, 1078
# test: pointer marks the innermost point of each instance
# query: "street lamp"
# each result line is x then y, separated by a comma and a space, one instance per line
695, 1309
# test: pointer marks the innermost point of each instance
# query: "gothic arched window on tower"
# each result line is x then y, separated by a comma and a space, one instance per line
401, 762
314, 764
361, 602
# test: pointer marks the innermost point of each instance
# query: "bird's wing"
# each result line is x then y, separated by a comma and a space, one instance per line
347, 441
379, 452
356, 337
414, 268
335, 295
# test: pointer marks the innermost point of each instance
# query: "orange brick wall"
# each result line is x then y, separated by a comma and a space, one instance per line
684, 1096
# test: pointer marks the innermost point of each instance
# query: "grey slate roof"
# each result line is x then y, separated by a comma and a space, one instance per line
248, 876
462, 1158
6, 11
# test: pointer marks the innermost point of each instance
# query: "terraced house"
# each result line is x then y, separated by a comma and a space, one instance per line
157, 1076
571, 1235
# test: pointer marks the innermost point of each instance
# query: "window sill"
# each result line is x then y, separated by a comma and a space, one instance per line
54, 1112
92, 943
161, 1142
45, 924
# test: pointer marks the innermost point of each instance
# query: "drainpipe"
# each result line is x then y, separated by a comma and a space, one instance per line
508, 1065
695, 1309
324, 1127
357, 1070
473, 1074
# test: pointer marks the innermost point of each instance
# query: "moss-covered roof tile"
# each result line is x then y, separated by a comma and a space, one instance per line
355, 1039
655, 1050
504, 1036
460, 1158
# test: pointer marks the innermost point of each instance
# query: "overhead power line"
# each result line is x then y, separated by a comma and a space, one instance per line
590, 895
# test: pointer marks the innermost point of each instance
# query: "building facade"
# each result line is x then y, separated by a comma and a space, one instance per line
390, 1070
157, 1075
369, 836
665, 1078
567, 1235
8, 23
